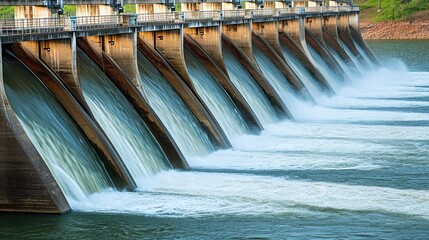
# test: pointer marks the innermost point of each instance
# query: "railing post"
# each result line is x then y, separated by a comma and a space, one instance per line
72, 23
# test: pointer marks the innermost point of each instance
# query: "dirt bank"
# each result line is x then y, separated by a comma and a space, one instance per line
417, 29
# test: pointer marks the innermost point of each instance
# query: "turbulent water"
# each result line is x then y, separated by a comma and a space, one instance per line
120, 121
278, 81
67, 153
303, 74
354, 166
250, 90
334, 79
173, 112
215, 97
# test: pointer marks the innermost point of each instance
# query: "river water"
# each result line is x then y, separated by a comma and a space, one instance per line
355, 166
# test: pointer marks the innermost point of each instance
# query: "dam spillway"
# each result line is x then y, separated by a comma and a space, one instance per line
228, 70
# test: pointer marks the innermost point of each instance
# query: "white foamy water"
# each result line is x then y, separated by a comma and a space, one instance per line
198, 194
327, 137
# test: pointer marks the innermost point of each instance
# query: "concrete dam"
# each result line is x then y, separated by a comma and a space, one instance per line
99, 99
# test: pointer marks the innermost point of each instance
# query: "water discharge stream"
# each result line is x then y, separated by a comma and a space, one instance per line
250, 90
217, 100
174, 113
62, 145
354, 165
122, 124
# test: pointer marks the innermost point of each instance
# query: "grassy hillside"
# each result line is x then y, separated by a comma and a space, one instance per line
394, 9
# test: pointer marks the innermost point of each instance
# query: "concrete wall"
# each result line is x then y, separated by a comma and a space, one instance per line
209, 38
270, 32
241, 35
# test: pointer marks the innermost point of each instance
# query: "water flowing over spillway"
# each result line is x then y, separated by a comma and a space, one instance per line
126, 130
62, 145
174, 113
311, 168
357, 63
217, 100
348, 68
334, 79
363, 53
303, 74
352, 165
277, 80
247, 86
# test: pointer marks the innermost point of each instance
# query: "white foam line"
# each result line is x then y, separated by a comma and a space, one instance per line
260, 161
317, 113
344, 102
347, 131
182, 194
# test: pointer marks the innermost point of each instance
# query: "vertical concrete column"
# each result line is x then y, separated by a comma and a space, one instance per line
269, 5
333, 3
151, 8
186, 6
357, 36
123, 50
331, 38
345, 36
60, 56
209, 38
29, 12
270, 32
170, 44
330, 24
314, 3
93, 10
354, 20
281, 4
26, 183
250, 5
293, 35
314, 25
295, 29
227, 6
241, 35
211, 6
299, 3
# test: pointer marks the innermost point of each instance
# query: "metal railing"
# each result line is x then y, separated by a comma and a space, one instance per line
10, 26
32, 26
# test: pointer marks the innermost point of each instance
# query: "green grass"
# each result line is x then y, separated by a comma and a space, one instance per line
392, 9
7, 11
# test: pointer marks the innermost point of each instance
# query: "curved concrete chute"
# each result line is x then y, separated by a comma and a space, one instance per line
327, 57
335, 45
113, 163
282, 65
134, 96
249, 116
27, 183
197, 107
299, 53
253, 69
346, 38
357, 37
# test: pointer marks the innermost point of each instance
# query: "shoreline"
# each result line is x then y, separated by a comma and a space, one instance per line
395, 30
